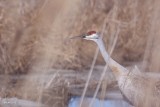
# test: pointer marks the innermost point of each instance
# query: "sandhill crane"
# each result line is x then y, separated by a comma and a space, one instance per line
140, 89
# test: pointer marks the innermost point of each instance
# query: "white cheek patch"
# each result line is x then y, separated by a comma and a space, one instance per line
93, 36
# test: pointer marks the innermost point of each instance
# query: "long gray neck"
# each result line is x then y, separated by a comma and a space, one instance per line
116, 67
102, 49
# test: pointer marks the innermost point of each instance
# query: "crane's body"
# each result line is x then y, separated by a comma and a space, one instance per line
139, 89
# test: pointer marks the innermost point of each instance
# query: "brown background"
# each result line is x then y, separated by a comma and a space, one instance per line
34, 33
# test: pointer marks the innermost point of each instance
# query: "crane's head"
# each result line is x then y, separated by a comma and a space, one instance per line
91, 35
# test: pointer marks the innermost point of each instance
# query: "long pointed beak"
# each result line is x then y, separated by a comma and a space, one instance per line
80, 36
74, 37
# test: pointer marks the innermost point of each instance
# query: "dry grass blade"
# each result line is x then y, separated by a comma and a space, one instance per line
104, 70
92, 66
89, 76
51, 80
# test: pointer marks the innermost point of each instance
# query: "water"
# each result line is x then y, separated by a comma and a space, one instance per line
74, 102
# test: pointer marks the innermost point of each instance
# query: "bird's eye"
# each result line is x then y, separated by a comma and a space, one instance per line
84, 36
